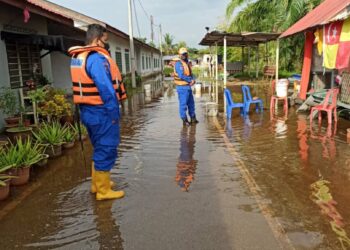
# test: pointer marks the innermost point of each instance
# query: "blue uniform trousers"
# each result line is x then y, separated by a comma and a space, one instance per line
104, 136
186, 101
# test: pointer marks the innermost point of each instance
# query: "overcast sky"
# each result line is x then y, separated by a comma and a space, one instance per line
184, 19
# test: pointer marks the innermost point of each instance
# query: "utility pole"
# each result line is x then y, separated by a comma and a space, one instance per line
152, 33
132, 51
161, 50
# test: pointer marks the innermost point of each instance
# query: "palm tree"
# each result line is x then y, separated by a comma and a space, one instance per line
168, 44
267, 15
181, 44
272, 16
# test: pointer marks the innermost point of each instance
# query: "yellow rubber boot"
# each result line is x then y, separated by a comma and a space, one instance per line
103, 185
93, 180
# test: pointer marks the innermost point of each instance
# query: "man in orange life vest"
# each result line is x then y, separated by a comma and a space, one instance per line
96, 79
184, 79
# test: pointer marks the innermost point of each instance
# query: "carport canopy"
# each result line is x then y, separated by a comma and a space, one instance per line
244, 39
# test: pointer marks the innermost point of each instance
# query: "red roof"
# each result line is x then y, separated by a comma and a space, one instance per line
322, 14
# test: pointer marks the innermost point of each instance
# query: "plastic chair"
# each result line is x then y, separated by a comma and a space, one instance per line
275, 98
231, 105
326, 106
247, 98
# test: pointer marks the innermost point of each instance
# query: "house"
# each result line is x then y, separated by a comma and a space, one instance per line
35, 36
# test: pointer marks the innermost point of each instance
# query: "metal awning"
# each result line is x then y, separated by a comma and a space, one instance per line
244, 39
50, 43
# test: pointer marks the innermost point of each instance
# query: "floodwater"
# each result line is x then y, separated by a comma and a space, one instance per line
262, 182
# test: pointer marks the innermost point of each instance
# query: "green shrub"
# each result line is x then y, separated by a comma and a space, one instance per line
50, 133
168, 71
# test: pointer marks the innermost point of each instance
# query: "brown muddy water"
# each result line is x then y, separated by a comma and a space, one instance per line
263, 182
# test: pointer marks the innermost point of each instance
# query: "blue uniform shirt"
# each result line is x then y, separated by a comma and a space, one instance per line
180, 72
98, 69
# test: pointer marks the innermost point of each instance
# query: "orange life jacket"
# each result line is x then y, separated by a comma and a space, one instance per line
84, 89
187, 72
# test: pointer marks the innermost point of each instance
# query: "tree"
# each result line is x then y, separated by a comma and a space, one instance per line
142, 39
151, 43
168, 44
272, 16
179, 45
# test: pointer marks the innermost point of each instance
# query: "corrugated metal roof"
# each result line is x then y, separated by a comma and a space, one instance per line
238, 39
327, 11
80, 20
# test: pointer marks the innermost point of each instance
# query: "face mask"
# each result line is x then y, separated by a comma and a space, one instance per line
107, 46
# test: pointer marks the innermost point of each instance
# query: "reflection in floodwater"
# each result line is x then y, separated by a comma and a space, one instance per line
323, 198
90, 225
303, 137
278, 125
110, 237
249, 124
186, 166
327, 140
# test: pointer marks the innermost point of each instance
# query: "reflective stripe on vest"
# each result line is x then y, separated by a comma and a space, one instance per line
187, 72
84, 89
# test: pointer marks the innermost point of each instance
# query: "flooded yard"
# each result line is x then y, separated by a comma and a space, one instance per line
260, 182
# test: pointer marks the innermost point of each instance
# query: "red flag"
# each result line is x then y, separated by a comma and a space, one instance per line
331, 43
344, 47
26, 15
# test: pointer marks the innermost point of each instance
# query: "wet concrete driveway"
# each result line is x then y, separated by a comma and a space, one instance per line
256, 183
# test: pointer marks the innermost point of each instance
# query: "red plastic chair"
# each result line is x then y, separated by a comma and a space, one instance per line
275, 98
326, 106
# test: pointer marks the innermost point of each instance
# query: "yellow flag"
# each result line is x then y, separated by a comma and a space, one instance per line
331, 37
319, 40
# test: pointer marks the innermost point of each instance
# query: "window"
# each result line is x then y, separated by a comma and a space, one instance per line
147, 67
118, 59
127, 60
24, 63
143, 62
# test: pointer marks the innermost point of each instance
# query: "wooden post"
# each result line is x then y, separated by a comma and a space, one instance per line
249, 60
257, 62
277, 58
216, 75
225, 69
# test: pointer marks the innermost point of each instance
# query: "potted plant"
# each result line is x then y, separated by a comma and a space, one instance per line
80, 127
3, 144
20, 131
52, 135
28, 153
43, 161
10, 107
5, 179
55, 105
69, 137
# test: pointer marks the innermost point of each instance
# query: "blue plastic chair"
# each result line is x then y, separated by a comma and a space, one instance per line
231, 105
247, 98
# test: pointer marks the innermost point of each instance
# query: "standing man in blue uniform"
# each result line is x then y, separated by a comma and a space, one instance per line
184, 79
95, 79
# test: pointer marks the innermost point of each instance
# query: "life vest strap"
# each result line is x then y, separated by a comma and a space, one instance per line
78, 93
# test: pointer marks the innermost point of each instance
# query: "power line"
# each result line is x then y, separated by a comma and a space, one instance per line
147, 15
137, 21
